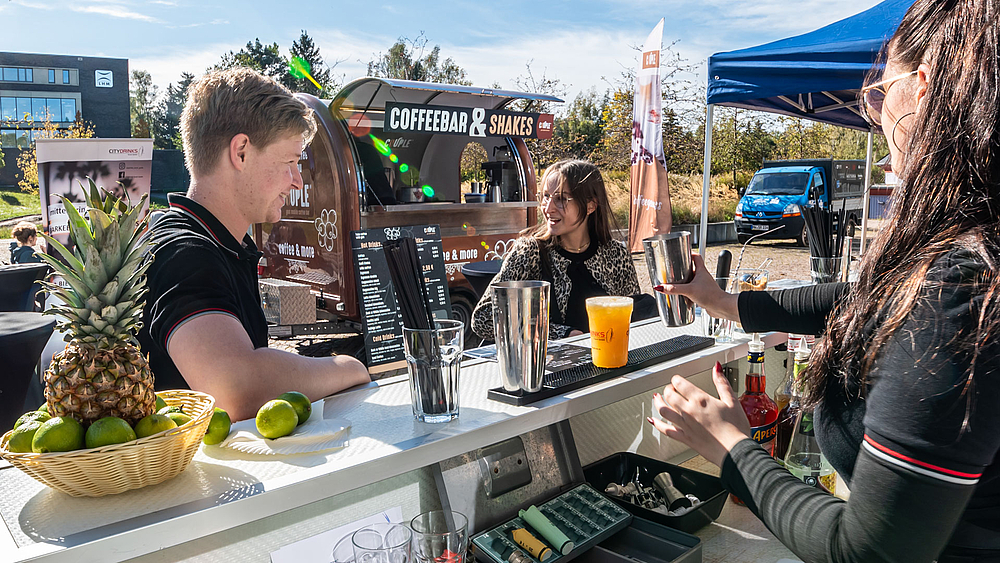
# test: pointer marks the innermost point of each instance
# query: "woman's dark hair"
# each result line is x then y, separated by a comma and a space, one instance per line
23, 232
948, 196
581, 181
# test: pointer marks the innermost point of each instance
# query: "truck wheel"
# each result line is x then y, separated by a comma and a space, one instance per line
742, 238
462, 305
803, 239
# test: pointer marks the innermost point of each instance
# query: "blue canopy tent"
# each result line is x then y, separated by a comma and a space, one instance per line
815, 76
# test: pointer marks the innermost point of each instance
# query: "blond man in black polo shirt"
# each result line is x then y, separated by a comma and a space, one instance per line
204, 328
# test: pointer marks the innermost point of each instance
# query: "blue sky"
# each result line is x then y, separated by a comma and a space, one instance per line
581, 43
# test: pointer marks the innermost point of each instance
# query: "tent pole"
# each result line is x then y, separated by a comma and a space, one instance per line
707, 174
868, 185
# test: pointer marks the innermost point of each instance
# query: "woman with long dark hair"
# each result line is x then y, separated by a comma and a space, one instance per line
906, 382
573, 249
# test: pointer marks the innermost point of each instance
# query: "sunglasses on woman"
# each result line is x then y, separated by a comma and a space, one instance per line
874, 97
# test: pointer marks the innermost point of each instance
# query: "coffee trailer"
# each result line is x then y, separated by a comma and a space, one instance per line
387, 154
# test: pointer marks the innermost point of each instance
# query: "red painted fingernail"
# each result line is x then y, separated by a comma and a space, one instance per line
659, 288
718, 366
649, 419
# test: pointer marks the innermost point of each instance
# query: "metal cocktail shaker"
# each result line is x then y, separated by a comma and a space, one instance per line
521, 329
668, 258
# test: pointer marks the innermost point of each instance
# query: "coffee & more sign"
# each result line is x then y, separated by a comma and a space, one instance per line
470, 122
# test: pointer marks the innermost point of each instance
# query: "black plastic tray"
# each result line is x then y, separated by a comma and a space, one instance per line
572, 378
621, 467
647, 542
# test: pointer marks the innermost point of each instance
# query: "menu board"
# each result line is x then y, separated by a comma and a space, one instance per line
381, 320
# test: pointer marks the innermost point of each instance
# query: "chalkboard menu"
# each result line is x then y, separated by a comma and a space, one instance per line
380, 317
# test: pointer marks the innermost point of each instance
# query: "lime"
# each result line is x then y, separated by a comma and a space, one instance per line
58, 434
168, 410
179, 418
160, 403
44, 408
33, 416
276, 418
153, 424
20, 438
218, 427
109, 430
301, 404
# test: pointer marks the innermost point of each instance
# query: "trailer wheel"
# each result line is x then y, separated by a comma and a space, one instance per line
803, 239
462, 304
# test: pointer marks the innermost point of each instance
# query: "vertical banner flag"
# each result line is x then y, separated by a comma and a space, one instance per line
649, 213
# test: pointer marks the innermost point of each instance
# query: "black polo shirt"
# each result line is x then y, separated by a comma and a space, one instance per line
198, 268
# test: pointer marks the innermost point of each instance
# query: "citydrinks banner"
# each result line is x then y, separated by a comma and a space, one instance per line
649, 213
470, 122
120, 166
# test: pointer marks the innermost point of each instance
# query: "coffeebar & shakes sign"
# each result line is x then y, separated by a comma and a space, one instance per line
470, 122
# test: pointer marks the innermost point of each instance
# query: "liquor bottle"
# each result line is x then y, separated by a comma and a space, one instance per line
759, 408
788, 413
804, 458
761, 411
783, 393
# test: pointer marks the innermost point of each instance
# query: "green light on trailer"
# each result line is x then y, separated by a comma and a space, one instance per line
428, 191
380, 145
404, 167
393, 158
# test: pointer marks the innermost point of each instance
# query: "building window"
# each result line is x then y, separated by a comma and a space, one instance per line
68, 109
52, 76
8, 109
15, 74
28, 75
65, 77
10, 74
23, 109
21, 139
7, 138
38, 109
60, 110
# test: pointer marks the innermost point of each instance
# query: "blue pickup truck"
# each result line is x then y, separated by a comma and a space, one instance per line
781, 188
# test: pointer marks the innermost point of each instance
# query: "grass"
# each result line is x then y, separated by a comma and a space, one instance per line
15, 203
685, 198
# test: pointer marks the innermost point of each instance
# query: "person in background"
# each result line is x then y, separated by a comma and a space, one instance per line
203, 326
573, 249
906, 381
22, 251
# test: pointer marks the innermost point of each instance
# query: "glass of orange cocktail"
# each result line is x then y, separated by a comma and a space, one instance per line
609, 318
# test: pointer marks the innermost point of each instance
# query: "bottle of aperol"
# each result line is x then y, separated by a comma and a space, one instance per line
761, 411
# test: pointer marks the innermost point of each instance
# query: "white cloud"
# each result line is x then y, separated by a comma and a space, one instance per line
163, 3
199, 24
35, 5
115, 12
169, 61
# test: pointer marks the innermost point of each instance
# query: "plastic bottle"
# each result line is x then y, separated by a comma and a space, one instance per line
789, 412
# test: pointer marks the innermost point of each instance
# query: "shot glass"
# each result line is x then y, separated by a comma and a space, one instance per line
382, 543
434, 360
440, 536
719, 329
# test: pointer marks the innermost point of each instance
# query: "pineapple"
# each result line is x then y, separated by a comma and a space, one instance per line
102, 371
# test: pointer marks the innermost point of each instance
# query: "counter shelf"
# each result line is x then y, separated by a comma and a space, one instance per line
222, 490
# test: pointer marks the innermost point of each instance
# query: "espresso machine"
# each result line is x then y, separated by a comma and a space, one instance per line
501, 177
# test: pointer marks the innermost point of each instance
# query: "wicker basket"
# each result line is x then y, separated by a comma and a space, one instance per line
121, 467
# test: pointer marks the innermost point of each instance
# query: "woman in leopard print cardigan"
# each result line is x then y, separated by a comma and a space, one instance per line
573, 249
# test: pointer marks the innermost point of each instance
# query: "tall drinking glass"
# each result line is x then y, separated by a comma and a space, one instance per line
718, 328
434, 360
609, 319
440, 536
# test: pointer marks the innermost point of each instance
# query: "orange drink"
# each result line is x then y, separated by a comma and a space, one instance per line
609, 322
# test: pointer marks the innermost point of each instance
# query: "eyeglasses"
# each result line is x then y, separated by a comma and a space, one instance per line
874, 96
559, 200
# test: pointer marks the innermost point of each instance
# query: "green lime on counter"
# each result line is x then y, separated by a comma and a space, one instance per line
276, 418
301, 404
20, 438
218, 427
107, 431
33, 416
153, 424
58, 434
179, 418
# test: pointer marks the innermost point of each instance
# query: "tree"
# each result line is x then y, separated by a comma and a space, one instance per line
265, 59
543, 151
167, 127
143, 108
27, 162
305, 49
406, 60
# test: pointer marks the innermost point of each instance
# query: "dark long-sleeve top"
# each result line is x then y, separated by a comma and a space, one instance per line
607, 267
925, 484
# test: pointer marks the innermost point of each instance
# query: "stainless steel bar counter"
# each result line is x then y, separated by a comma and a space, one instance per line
228, 506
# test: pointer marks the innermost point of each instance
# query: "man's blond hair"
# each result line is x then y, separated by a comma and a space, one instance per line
223, 104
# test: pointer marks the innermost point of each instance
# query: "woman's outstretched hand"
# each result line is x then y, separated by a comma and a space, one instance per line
698, 420
703, 290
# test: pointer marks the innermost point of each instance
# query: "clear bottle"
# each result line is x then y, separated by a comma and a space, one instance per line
783, 392
804, 458
789, 412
